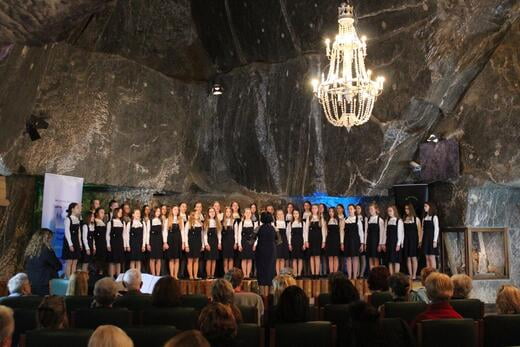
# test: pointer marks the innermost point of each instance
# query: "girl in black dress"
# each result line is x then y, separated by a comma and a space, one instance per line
192, 240
156, 241
314, 237
246, 237
430, 227
71, 250
289, 212
218, 212
237, 216
183, 211
354, 239
164, 212
412, 235
174, 241
212, 241
296, 244
100, 240
136, 245
127, 213
112, 205
340, 210
282, 249
115, 243
333, 240
199, 209
255, 216
363, 255
375, 235
306, 210
394, 239
146, 213
87, 238
228, 239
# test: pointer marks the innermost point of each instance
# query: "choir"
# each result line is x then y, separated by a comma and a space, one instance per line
345, 240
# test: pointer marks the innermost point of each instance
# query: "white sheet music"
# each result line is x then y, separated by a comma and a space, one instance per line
148, 282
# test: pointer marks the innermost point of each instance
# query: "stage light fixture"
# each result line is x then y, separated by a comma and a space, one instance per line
415, 166
433, 138
217, 89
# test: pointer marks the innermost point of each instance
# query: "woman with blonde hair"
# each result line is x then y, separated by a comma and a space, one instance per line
212, 241
189, 338
174, 240
508, 300
394, 239
192, 239
281, 282
222, 292
109, 336
462, 286
78, 284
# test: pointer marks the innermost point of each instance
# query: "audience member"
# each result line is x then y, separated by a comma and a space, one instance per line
439, 290
218, 325
19, 285
399, 284
246, 299
105, 293
508, 300
342, 291
222, 292
419, 294
293, 306
52, 313
132, 282
378, 279
78, 284
462, 286
6, 326
166, 292
41, 263
189, 338
281, 282
109, 336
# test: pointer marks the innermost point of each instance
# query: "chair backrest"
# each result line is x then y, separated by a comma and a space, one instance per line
250, 335
94, 317
323, 299
134, 302
196, 301
336, 313
58, 286
502, 330
404, 310
28, 302
183, 318
308, 334
447, 333
469, 308
57, 337
25, 320
74, 303
151, 336
396, 333
377, 299
249, 314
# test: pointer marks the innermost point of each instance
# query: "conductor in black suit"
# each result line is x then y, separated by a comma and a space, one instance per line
265, 253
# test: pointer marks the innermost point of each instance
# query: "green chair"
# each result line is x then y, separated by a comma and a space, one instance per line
135, 303
308, 334
447, 333
396, 332
76, 302
94, 317
502, 330
250, 335
323, 299
196, 301
469, 308
58, 286
27, 302
183, 318
57, 337
25, 320
249, 314
407, 311
377, 299
151, 336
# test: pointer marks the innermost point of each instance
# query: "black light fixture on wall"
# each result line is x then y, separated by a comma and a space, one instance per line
34, 123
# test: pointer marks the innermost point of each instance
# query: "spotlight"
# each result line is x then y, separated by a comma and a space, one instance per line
34, 123
217, 89
32, 131
433, 138
415, 166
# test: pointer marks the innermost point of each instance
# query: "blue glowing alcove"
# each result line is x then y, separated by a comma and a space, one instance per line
329, 200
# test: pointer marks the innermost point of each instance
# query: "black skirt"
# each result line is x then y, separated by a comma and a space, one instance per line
194, 242
136, 244
212, 254
428, 236
391, 244
411, 240
228, 242
297, 243
156, 242
332, 243
74, 234
315, 239
248, 240
88, 258
174, 243
352, 240
100, 239
282, 249
373, 240
117, 252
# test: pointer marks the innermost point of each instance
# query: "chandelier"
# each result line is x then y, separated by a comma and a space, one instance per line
347, 93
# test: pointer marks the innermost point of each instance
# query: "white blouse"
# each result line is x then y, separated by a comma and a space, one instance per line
294, 224
116, 223
75, 221
435, 226
352, 220
186, 230
400, 229
135, 223
382, 230
334, 221
212, 224
307, 226
246, 223
282, 224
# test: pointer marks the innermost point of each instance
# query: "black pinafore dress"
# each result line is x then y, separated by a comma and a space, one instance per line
352, 240
194, 241
297, 242
315, 238
212, 254
174, 242
391, 243
136, 242
74, 234
332, 243
373, 239
86, 258
228, 242
282, 249
248, 240
428, 235
117, 254
156, 241
100, 238
411, 239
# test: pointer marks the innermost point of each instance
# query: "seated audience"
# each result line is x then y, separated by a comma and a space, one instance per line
508, 300
52, 313
166, 293
378, 279
342, 291
105, 293
6, 326
132, 282
419, 294
109, 336
439, 290
222, 292
218, 325
78, 284
281, 282
462, 286
189, 338
41, 263
399, 284
293, 306
19, 285
246, 299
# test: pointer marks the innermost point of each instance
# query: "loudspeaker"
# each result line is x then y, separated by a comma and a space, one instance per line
415, 194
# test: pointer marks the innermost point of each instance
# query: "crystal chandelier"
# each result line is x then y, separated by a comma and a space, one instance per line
347, 93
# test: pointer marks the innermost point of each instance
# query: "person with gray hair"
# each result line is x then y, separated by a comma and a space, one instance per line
6, 326
19, 285
132, 282
105, 292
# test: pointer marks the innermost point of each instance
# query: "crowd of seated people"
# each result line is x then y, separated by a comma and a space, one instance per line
359, 322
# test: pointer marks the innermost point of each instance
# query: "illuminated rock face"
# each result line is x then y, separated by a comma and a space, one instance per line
127, 87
